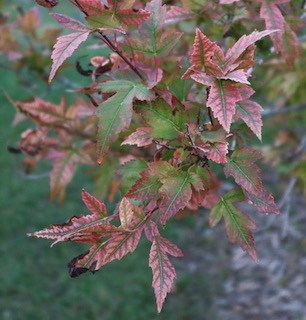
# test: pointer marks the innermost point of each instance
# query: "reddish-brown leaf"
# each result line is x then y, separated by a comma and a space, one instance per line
250, 112
241, 165
274, 19
43, 112
216, 152
175, 194
291, 48
243, 43
132, 17
200, 77
129, 214
76, 228
238, 76
222, 99
264, 202
91, 7
177, 14
63, 169
141, 137
146, 187
69, 22
203, 51
163, 271
93, 204
125, 242
64, 48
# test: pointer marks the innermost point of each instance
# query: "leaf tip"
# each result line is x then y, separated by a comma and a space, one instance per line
51, 76
100, 159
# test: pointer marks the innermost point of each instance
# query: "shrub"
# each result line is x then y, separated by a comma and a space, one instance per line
169, 115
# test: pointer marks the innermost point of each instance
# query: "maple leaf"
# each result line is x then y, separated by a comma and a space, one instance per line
250, 112
177, 14
203, 52
155, 171
131, 171
274, 19
291, 48
145, 188
91, 229
176, 191
43, 112
241, 166
69, 22
238, 225
234, 53
175, 194
105, 22
64, 48
164, 122
263, 201
115, 114
163, 271
63, 169
93, 204
225, 75
212, 143
80, 227
286, 41
126, 213
115, 11
222, 99
141, 137
91, 7
155, 42
215, 151
132, 16
237, 75
125, 242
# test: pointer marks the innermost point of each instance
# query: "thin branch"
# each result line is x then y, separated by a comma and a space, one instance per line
287, 193
109, 43
163, 145
270, 112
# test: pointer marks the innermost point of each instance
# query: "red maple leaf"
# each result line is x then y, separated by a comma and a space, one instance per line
163, 271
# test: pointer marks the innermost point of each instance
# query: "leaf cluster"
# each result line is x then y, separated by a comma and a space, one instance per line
165, 108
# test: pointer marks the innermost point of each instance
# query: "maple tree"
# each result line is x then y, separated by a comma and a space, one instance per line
165, 109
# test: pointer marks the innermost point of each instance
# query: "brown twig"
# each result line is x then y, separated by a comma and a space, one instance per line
109, 43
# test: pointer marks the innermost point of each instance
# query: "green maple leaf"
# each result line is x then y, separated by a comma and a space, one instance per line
115, 114
161, 118
238, 225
